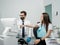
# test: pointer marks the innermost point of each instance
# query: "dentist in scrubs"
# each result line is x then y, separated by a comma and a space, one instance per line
44, 30
24, 32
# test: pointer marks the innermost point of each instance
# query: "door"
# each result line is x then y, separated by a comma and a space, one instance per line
48, 9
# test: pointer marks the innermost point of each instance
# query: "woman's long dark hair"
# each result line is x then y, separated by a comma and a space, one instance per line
46, 20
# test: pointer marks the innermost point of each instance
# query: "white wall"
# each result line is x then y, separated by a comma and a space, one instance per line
11, 8
1, 26
47, 2
56, 7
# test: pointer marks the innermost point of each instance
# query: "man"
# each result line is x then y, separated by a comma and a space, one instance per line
24, 32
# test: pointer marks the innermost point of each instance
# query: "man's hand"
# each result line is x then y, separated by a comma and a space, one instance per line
36, 26
37, 41
21, 26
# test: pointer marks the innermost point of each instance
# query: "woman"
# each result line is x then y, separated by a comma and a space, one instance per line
44, 30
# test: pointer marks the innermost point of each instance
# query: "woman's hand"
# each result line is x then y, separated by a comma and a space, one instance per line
37, 41
43, 38
47, 35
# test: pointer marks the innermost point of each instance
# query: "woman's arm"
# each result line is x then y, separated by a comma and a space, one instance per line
47, 35
31, 26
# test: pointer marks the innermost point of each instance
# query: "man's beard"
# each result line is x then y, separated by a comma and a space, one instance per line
22, 18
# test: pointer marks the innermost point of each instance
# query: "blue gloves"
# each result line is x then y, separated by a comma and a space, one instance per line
28, 39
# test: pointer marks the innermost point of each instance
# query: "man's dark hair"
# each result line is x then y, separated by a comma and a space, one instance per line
24, 12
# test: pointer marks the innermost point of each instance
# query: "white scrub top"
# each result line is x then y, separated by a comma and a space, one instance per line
27, 29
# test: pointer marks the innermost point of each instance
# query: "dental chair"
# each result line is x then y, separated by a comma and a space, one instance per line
35, 30
8, 36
